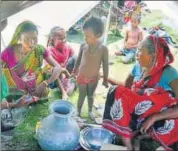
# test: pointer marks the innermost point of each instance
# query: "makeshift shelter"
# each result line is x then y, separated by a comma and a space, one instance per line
44, 14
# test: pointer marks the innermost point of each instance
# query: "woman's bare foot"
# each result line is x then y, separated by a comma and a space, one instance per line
127, 142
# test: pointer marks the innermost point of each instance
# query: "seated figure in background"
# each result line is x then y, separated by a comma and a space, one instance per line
132, 39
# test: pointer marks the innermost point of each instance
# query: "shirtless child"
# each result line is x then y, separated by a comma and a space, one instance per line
91, 56
133, 37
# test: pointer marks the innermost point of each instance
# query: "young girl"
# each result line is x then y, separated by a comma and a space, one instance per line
133, 37
64, 55
91, 55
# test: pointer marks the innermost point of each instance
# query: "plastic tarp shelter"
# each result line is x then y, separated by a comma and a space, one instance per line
46, 15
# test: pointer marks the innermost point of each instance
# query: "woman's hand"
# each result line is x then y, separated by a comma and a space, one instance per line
147, 124
21, 102
166, 114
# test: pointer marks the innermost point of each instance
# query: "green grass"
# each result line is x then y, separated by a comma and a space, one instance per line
26, 130
117, 71
155, 19
112, 38
149, 145
145, 144
78, 38
172, 33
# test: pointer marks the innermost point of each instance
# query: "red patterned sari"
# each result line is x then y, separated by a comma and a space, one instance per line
126, 109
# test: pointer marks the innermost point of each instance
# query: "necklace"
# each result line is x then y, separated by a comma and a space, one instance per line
93, 48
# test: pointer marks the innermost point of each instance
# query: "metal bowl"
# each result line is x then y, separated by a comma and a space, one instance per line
92, 138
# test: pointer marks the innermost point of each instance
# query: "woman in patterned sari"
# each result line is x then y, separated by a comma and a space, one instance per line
22, 62
149, 91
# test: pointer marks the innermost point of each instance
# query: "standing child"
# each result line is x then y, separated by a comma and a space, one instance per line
91, 55
133, 37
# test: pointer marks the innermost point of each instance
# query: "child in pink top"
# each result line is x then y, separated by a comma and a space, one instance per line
63, 53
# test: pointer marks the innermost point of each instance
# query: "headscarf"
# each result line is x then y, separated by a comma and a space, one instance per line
163, 57
18, 31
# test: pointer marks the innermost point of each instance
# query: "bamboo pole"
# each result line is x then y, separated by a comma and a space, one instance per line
107, 23
3, 42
